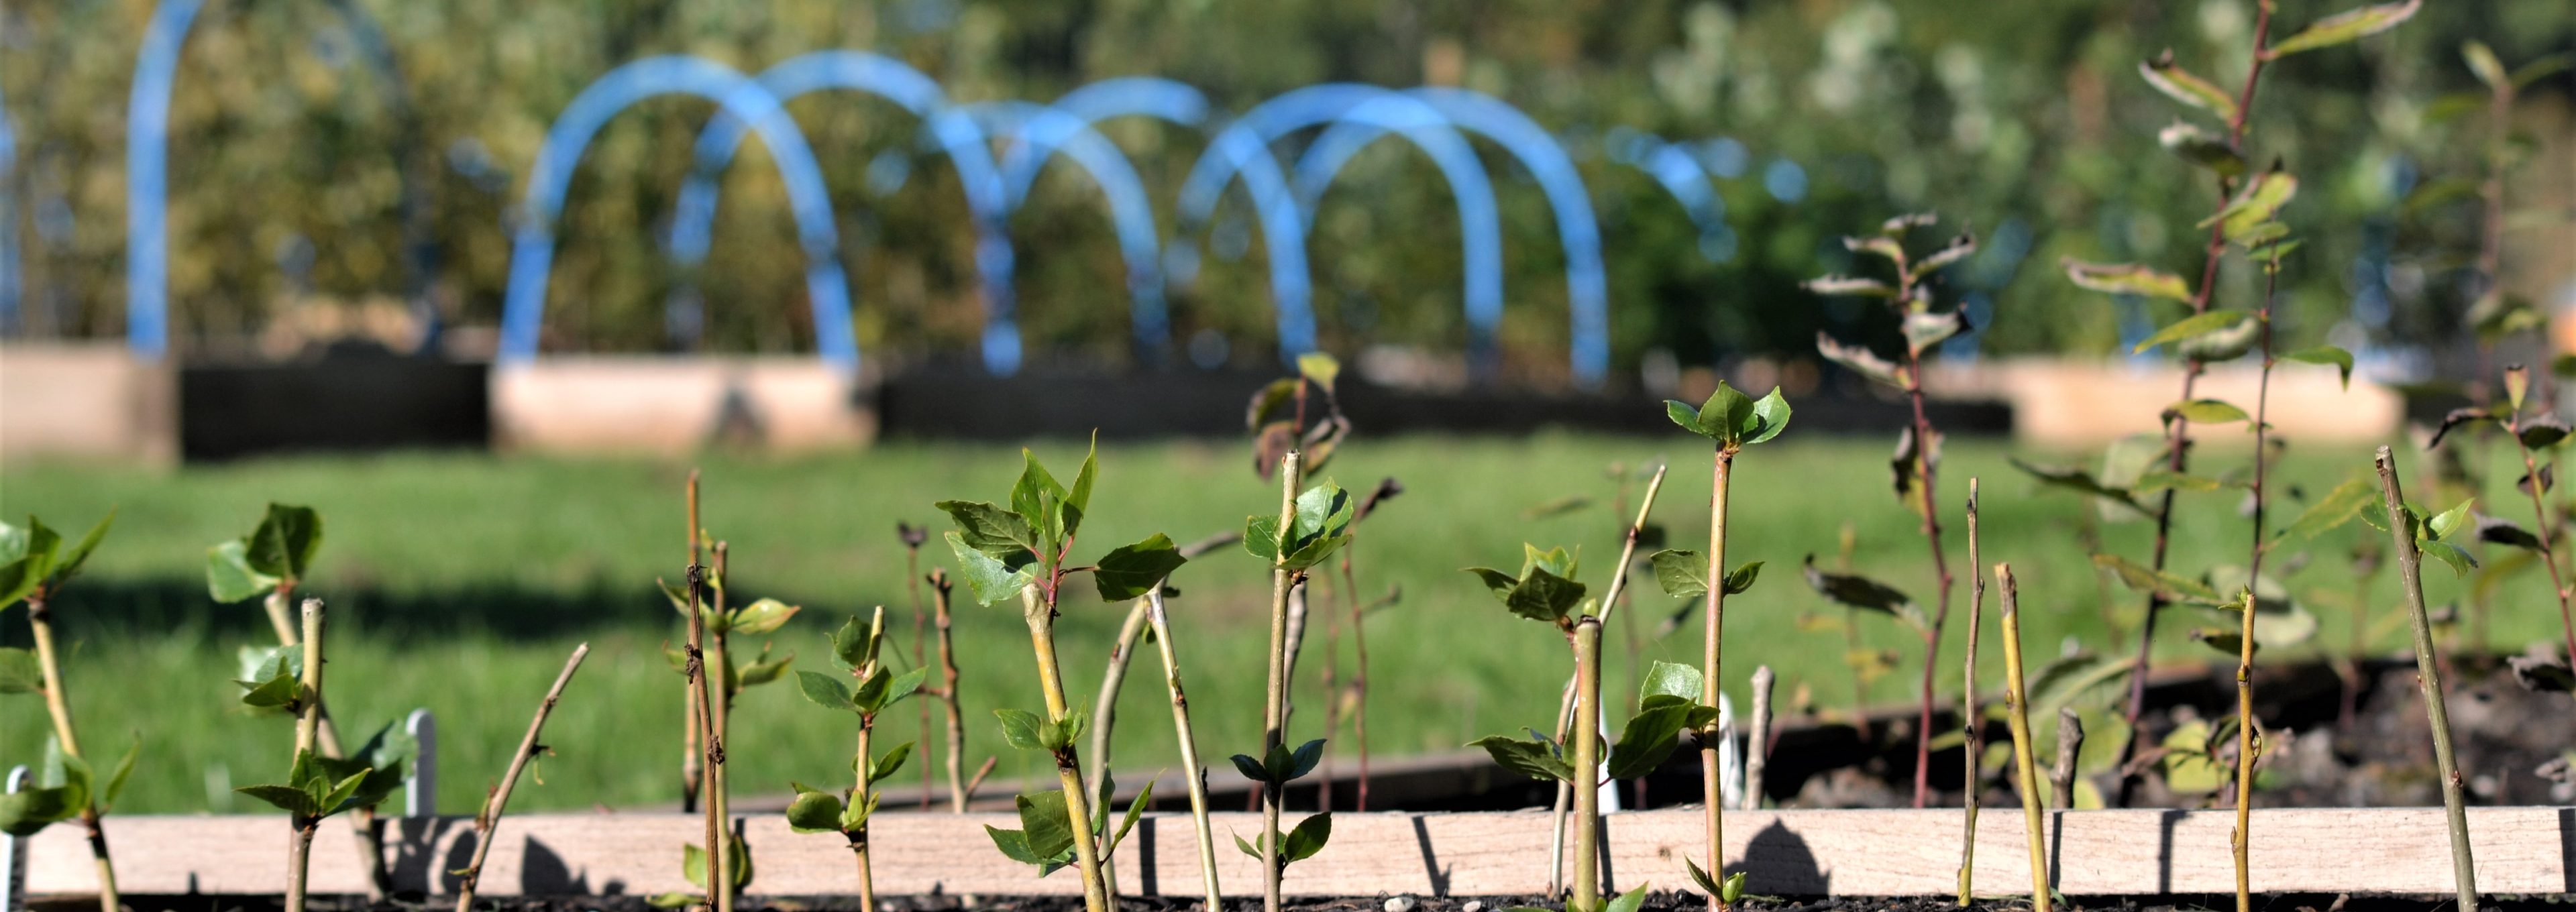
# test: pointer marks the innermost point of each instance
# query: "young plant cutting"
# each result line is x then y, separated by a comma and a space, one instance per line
875, 689
34, 566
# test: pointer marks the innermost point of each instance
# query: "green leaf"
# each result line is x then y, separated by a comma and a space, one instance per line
2158, 583
2254, 205
1741, 578
1863, 593
19, 672
2205, 411
26, 811
1543, 596
26, 569
2542, 68
2180, 85
814, 812
1682, 414
888, 763
1040, 500
1849, 285
1319, 368
1307, 838
762, 670
1068, 730
68, 564
1682, 574
2326, 354
2483, 63
1135, 812
1250, 768
2064, 679
895, 687
2456, 418
1320, 524
1023, 729
2330, 511
1077, 501
2082, 481
1048, 824
284, 798
853, 644
1770, 417
990, 580
1535, 759
1671, 679
116, 778
1925, 330
2126, 278
1725, 415
2541, 433
1130, 571
1860, 360
1648, 740
1301, 761
763, 616
1958, 248
230, 575
273, 693
286, 541
1701, 877
2193, 326
824, 690
998, 533
2347, 26
2450, 521
1632, 900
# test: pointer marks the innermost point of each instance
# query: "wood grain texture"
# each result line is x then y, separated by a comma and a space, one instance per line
1787, 852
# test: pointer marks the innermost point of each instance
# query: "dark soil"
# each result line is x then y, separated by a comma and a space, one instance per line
1659, 902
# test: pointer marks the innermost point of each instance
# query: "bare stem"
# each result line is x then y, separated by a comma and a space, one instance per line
1713, 791
1565, 722
2070, 747
1587, 764
958, 793
2017, 702
912, 588
692, 750
1925, 442
490, 818
1104, 709
1970, 720
2246, 725
1068, 766
2428, 675
1197, 774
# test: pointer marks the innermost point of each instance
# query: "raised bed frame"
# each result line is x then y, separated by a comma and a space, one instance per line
2520, 850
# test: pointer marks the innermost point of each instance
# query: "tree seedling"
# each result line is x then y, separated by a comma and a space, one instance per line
1918, 447
1308, 528
912, 537
1021, 550
875, 688
2245, 202
2409, 535
34, 566
2538, 437
1972, 784
270, 563
1630, 901
488, 818
705, 601
1731, 421
2025, 750
317, 786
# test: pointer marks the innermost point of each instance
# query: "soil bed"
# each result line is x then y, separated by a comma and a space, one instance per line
1657, 902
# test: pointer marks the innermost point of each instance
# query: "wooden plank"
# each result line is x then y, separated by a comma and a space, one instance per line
1788, 852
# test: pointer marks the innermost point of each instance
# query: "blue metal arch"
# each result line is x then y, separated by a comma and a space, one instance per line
1587, 282
1246, 141
1131, 211
9, 282
147, 172
532, 251
959, 136
1681, 174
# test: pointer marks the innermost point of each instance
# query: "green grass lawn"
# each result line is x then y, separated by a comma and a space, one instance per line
458, 582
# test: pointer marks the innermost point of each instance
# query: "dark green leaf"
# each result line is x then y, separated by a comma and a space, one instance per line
1046, 821
1307, 838
2197, 146
2541, 433
889, 762
1723, 417
286, 541
998, 533
2080, 480
1648, 740
853, 644
1630, 901
284, 798
1303, 760
1130, 571
824, 690
2163, 585
1682, 414
1741, 578
1863, 593
1770, 417
1077, 500
1250, 768
1671, 679
1135, 811
2456, 418
68, 564
1535, 759
1543, 596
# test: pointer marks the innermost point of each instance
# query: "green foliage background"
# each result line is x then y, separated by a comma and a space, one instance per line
2022, 111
